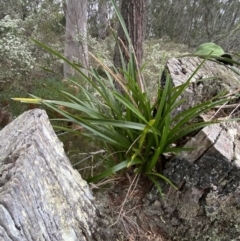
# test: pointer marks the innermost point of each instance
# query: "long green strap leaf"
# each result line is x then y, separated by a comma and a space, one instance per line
112, 170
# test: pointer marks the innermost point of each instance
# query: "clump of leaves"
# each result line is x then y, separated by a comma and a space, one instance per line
124, 122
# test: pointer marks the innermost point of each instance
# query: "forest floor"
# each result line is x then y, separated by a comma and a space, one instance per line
124, 199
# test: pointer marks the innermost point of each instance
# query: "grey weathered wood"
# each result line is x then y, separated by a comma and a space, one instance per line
181, 69
209, 80
41, 196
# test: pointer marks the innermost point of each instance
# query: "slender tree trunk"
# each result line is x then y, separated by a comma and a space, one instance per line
134, 14
76, 35
102, 19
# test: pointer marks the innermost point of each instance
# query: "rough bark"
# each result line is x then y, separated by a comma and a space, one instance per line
211, 79
102, 19
76, 35
41, 196
134, 14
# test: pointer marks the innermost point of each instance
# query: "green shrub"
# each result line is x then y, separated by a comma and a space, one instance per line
15, 54
124, 124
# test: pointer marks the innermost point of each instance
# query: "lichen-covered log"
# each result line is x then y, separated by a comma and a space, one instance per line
210, 80
181, 69
41, 196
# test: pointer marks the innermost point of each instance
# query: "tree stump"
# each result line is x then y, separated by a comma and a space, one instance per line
41, 196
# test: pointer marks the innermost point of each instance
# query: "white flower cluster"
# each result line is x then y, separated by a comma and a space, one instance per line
15, 53
9, 24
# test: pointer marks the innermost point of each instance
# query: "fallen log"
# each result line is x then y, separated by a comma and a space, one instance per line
41, 196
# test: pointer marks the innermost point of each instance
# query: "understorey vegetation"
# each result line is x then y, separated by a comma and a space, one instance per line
132, 132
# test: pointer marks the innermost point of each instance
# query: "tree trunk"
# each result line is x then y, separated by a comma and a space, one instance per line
102, 19
76, 35
134, 15
41, 196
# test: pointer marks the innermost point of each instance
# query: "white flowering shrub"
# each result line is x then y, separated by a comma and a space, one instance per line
15, 50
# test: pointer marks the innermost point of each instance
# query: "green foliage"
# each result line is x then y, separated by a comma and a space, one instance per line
16, 57
214, 51
209, 49
124, 124
19, 21
195, 22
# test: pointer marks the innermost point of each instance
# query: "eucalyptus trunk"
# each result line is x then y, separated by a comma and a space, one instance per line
102, 19
134, 14
76, 35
